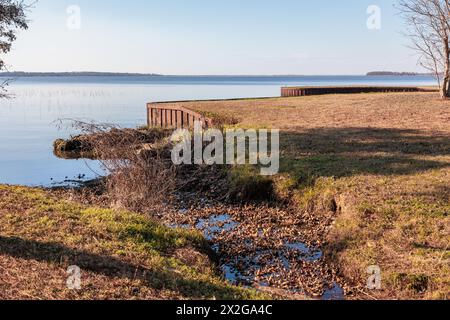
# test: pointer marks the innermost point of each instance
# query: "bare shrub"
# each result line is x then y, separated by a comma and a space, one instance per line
140, 173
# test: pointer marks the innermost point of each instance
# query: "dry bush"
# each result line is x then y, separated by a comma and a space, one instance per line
140, 173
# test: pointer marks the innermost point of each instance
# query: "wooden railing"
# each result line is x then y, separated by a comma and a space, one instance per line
169, 116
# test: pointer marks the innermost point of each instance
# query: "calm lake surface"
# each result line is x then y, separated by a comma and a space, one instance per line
27, 120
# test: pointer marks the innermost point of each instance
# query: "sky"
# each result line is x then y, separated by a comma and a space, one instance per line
214, 37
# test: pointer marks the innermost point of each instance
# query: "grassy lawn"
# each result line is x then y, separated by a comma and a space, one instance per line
381, 164
122, 255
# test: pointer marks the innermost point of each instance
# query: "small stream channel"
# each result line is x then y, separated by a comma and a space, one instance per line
213, 226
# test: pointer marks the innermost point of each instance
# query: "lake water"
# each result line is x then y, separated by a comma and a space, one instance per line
27, 120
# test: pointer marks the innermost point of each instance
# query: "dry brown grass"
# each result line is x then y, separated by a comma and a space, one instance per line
394, 110
385, 160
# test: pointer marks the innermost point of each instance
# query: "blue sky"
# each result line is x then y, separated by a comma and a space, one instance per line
213, 37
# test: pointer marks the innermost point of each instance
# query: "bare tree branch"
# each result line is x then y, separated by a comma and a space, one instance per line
428, 25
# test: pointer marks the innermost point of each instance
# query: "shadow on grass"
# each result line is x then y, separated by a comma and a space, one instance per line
343, 152
114, 268
439, 194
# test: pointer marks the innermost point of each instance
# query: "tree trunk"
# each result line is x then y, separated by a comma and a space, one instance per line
445, 89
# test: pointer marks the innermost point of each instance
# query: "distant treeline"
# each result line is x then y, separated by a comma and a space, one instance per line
390, 73
73, 74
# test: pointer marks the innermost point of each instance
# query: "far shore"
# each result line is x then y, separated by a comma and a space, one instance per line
138, 74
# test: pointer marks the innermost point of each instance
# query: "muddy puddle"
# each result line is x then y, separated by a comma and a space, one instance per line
247, 263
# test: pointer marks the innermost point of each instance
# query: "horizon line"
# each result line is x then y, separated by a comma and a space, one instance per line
111, 73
